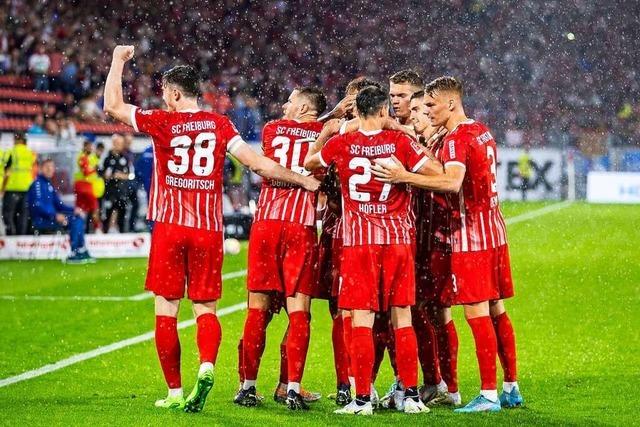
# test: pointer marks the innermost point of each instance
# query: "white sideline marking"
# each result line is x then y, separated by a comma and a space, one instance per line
222, 312
138, 297
538, 212
80, 357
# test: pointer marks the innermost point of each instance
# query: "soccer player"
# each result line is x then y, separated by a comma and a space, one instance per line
377, 261
283, 246
186, 205
480, 266
402, 85
436, 332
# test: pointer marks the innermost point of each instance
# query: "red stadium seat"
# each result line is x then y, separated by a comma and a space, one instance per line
12, 94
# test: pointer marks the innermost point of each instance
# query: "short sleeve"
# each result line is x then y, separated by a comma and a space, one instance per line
454, 151
268, 133
151, 122
230, 134
413, 156
329, 152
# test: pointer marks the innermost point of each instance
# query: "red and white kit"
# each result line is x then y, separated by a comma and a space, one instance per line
186, 197
480, 256
433, 254
330, 245
377, 263
284, 224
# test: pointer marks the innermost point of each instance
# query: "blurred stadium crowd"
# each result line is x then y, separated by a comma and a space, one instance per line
552, 73
538, 72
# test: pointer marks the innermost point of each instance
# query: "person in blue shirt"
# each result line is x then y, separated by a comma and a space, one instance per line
49, 214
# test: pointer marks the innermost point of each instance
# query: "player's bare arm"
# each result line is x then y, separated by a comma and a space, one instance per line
447, 180
114, 104
267, 168
341, 109
328, 130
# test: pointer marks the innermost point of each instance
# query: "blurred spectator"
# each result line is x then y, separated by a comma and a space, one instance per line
49, 214
88, 185
89, 108
39, 64
144, 170
37, 127
66, 130
19, 171
134, 184
117, 171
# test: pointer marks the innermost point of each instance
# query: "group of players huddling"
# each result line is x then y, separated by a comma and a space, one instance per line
410, 226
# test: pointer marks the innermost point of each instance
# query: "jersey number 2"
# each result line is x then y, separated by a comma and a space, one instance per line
202, 162
364, 178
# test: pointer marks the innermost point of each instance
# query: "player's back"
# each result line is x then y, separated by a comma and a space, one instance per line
373, 212
477, 222
189, 152
287, 143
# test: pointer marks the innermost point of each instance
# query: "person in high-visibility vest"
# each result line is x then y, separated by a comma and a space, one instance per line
19, 174
89, 186
526, 171
4, 158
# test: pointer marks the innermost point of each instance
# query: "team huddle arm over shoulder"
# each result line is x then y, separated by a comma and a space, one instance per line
114, 104
267, 168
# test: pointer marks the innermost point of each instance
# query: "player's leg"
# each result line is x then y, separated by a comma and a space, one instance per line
168, 348
253, 341
340, 355
362, 355
427, 352
298, 335
166, 275
347, 329
447, 338
484, 335
510, 396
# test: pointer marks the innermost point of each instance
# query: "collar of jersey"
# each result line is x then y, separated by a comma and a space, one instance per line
370, 132
190, 111
464, 122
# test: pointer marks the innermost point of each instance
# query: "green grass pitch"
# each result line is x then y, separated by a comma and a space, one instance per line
576, 315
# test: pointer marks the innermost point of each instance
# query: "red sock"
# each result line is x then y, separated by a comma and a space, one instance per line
208, 337
297, 344
506, 346
168, 347
362, 359
340, 357
427, 347
448, 355
240, 362
253, 340
380, 340
407, 351
347, 330
284, 362
486, 350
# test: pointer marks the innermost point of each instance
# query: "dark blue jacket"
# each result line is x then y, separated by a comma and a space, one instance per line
144, 168
44, 204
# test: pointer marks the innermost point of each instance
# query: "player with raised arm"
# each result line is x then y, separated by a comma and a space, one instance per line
480, 264
377, 258
186, 205
436, 332
283, 246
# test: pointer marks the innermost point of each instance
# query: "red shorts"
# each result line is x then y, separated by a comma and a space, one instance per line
85, 198
185, 256
481, 275
376, 277
433, 279
283, 258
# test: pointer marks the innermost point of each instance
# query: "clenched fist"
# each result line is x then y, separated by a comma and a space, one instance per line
123, 53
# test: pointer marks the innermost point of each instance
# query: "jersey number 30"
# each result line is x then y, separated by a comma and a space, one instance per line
202, 161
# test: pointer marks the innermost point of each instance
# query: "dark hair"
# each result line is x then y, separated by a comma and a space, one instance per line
185, 77
46, 160
19, 136
444, 84
315, 96
359, 83
370, 100
100, 145
407, 76
418, 94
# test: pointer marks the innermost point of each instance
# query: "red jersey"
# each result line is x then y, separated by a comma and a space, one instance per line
373, 213
476, 221
433, 222
189, 148
287, 142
